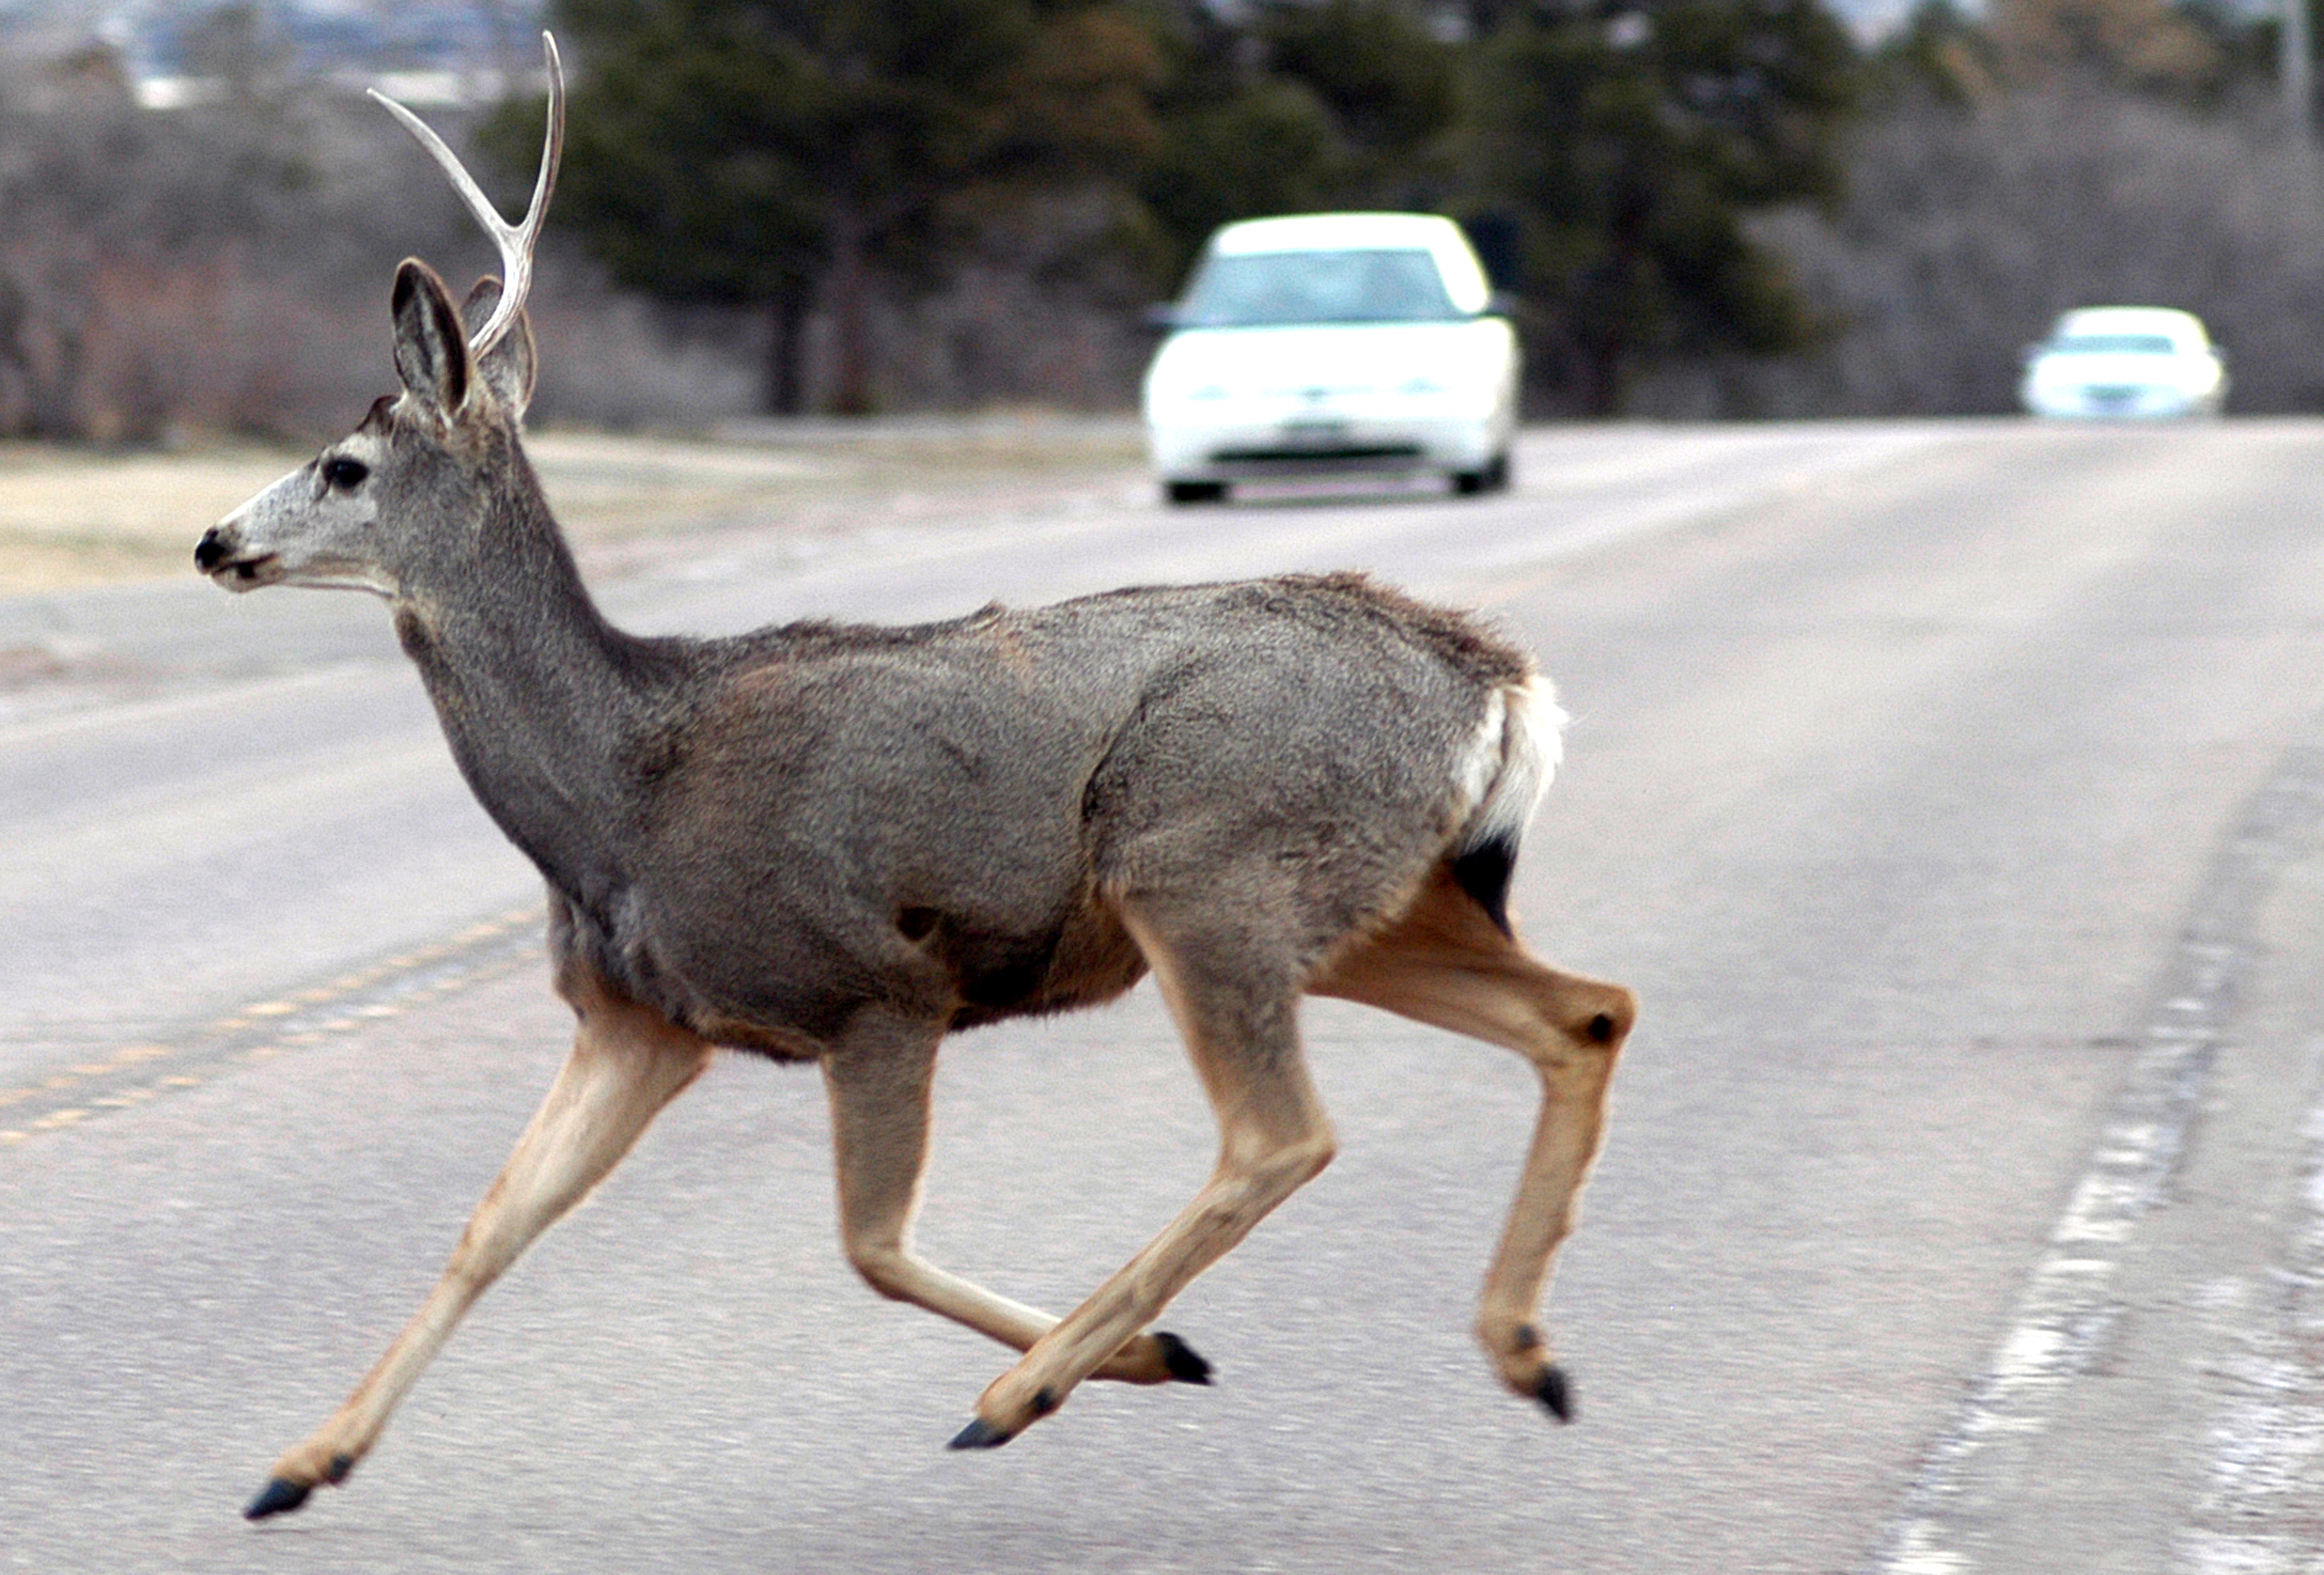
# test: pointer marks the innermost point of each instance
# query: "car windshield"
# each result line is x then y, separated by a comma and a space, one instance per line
1263, 288
2114, 344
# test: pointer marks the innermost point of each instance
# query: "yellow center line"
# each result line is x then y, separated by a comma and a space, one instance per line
249, 1018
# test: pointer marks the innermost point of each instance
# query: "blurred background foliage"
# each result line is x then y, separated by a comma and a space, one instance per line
1694, 207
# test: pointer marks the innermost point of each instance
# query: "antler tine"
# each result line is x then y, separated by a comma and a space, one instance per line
515, 241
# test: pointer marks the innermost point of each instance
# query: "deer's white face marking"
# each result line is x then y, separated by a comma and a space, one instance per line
320, 526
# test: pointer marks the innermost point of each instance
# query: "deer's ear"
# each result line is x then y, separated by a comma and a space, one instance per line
508, 367
432, 350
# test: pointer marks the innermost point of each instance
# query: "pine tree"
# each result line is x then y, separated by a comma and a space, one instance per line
1625, 151
775, 153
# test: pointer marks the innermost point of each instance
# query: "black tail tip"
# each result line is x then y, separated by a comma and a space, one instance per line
1483, 872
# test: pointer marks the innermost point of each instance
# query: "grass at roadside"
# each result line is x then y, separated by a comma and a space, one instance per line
75, 517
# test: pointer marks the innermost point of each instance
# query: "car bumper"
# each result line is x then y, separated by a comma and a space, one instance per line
1249, 449
2127, 402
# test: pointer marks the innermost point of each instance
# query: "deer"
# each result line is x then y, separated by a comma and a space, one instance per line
838, 844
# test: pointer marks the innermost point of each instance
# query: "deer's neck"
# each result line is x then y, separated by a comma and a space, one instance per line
544, 703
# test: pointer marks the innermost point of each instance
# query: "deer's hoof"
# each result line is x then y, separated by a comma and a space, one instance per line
1186, 1366
1553, 1390
979, 1434
281, 1497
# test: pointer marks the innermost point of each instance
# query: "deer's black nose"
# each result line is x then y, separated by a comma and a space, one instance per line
209, 551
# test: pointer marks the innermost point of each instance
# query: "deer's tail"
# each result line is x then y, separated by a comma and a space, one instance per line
1506, 767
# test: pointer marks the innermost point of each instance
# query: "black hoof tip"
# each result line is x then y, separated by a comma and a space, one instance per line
280, 1497
1555, 1393
979, 1434
1185, 1366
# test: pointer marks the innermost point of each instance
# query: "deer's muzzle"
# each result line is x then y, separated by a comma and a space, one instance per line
221, 557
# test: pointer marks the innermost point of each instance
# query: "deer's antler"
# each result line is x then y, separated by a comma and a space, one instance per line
515, 241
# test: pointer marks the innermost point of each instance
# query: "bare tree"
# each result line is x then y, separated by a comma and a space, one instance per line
205, 267
1967, 229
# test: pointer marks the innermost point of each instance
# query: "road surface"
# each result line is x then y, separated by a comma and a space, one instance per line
1953, 794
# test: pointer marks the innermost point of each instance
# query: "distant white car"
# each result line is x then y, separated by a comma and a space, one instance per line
2125, 362
1363, 343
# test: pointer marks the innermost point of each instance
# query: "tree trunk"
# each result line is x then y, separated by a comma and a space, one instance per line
786, 385
1605, 349
52, 393
14, 417
850, 284
1601, 377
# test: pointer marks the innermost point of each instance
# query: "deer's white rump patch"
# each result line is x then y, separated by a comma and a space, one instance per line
1509, 761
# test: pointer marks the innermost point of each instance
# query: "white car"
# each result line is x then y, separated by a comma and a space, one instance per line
2126, 360
1336, 342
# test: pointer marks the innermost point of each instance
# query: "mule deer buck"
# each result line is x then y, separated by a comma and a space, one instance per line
837, 844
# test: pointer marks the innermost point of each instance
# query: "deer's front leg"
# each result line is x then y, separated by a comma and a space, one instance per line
627, 1063
880, 1079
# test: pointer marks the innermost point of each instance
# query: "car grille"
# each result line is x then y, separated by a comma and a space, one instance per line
1311, 454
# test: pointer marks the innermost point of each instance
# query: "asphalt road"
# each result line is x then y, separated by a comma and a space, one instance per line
1953, 794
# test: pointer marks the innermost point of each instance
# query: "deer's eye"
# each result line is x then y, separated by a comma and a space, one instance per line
347, 474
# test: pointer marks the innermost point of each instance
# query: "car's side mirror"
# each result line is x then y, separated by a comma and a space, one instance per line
1501, 303
1161, 316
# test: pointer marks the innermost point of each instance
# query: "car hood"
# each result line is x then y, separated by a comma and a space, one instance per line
1337, 358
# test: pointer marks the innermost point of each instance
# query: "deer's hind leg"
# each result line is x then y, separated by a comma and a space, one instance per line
1445, 963
627, 1063
1235, 1004
879, 1077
